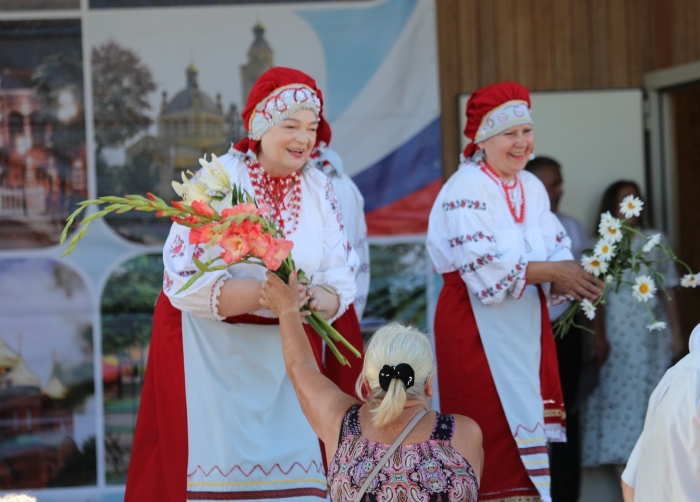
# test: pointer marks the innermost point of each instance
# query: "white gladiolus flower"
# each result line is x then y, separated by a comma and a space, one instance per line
631, 206
588, 309
594, 265
652, 242
208, 184
604, 250
611, 230
644, 288
656, 326
690, 280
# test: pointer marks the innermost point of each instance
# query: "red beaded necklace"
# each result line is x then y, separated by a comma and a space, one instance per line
274, 192
512, 191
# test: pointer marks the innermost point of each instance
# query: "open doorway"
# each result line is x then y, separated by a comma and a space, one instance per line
685, 117
674, 126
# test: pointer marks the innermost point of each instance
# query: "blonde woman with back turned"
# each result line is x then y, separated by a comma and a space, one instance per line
438, 456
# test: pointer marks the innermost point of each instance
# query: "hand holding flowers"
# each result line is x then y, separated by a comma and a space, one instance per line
218, 213
612, 256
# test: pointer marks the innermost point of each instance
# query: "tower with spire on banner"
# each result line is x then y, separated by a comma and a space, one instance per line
259, 61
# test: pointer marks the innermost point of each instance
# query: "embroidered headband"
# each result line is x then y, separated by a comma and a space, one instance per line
282, 103
509, 114
402, 371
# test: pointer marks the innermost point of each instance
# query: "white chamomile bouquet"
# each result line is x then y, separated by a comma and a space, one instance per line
613, 255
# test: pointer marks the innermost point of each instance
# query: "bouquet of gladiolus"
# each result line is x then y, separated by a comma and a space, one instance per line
613, 256
218, 213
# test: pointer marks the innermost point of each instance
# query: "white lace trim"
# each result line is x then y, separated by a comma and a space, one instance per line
214, 297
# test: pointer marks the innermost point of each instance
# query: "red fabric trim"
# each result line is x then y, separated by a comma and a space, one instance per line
346, 376
257, 466
256, 495
538, 472
550, 383
467, 388
158, 466
533, 450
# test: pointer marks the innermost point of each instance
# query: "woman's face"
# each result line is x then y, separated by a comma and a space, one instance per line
508, 152
621, 194
285, 148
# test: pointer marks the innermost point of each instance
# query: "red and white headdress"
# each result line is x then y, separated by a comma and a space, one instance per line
493, 109
278, 93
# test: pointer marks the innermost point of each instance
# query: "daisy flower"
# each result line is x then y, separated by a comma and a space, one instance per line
594, 265
604, 250
605, 219
588, 309
631, 206
690, 280
656, 326
609, 279
611, 230
652, 242
644, 288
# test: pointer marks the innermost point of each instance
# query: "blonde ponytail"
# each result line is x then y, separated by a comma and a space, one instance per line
392, 345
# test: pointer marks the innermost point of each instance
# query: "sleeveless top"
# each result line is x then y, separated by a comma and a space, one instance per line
431, 471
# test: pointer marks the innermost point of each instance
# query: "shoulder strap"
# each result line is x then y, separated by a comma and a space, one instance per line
388, 454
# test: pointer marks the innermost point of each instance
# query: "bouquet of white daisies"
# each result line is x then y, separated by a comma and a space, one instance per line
613, 256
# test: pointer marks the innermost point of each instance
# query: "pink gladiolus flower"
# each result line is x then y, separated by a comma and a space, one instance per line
277, 254
235, 246
261, 244
242, 208
178, 205
191, 218
202, 208
201, 235
247, 228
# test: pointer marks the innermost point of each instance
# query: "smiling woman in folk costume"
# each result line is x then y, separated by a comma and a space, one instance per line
502, 253
219, 419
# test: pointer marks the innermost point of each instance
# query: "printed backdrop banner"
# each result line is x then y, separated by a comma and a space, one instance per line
167, 81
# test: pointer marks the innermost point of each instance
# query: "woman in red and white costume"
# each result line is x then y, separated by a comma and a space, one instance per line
502, 253
219, 419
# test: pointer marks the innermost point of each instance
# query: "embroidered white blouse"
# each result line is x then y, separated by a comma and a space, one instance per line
320, 249
471, 230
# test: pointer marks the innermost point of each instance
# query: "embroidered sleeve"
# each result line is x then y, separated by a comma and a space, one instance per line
202, 297
340, 262
490, 259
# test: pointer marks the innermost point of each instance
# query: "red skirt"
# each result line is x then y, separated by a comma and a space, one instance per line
467, 388
158, 465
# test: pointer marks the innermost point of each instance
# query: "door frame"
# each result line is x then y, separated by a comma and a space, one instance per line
662, 177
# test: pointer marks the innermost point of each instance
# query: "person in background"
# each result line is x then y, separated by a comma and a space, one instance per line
665, 462
612, 418
440, 460
565, 457
352, 211
352, 214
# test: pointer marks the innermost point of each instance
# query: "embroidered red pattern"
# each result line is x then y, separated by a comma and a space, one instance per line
258, 494
274, 192
515, 188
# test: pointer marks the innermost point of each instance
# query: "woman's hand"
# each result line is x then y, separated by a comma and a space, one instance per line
569, 278
280, 297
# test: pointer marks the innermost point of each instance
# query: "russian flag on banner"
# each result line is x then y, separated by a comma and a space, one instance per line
382, 102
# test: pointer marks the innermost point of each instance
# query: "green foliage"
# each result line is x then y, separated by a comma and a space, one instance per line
121, 83
398, 284
127, 303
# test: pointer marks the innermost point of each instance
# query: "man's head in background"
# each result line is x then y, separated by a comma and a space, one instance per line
548, 171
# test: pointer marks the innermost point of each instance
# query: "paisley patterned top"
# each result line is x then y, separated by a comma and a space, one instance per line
432, 471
